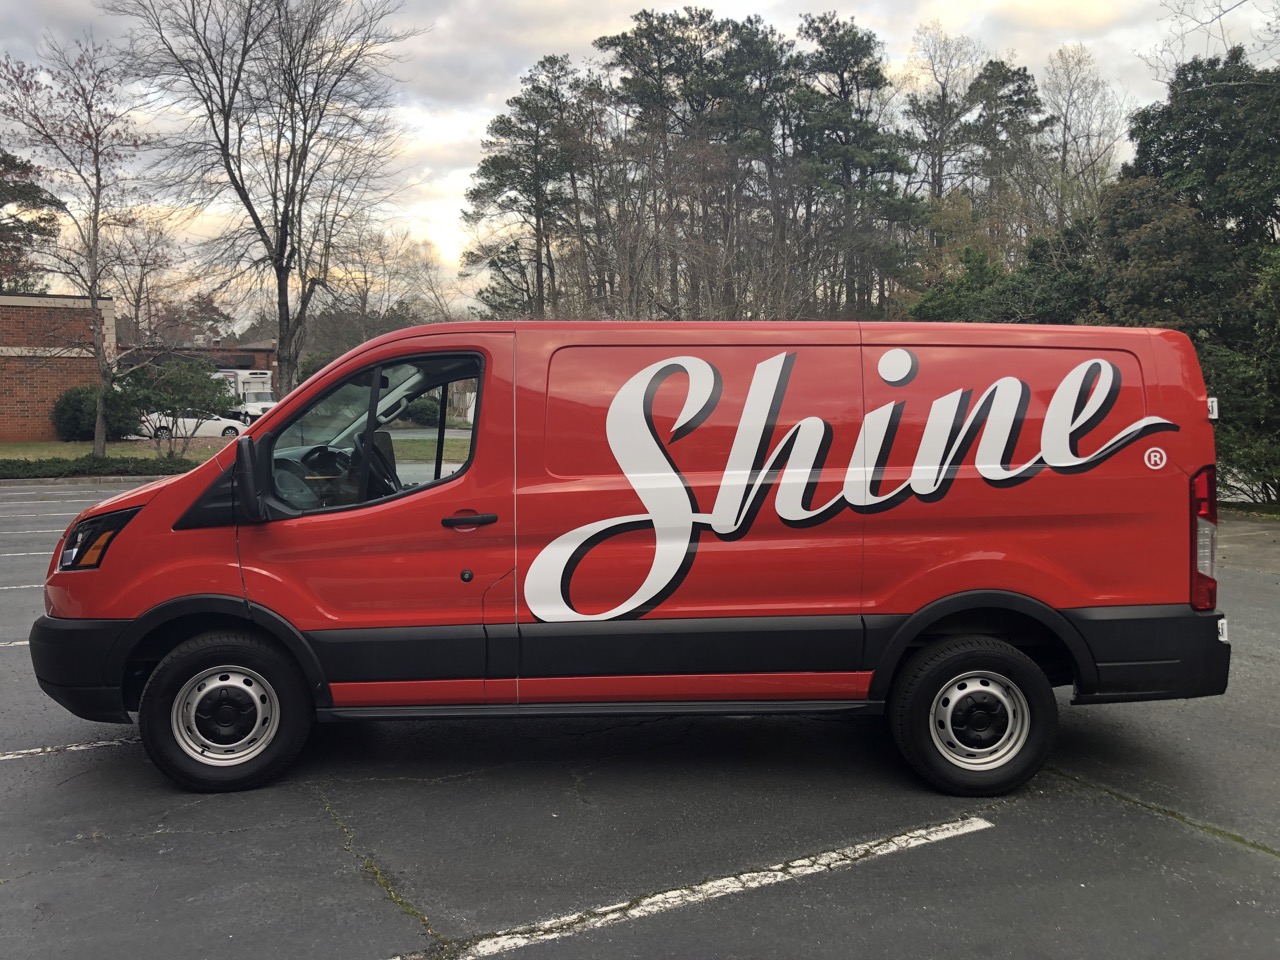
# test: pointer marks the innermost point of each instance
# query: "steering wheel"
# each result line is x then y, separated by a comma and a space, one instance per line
290, 481
380, 469
327, 458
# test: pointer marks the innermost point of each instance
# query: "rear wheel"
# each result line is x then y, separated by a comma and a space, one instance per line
974, 716
230, 431
225, 711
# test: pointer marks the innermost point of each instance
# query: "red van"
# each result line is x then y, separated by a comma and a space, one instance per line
937, 522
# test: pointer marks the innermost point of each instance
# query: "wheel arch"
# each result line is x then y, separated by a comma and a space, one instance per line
148, 638
1035, 628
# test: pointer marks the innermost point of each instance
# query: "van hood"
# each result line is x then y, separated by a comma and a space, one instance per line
130, 498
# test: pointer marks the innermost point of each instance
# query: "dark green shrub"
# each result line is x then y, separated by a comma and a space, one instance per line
75, 411
425, 411
94, 467
313, 365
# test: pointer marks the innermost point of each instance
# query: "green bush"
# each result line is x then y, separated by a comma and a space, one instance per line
75, 411
425, 412
179, 384
91, 466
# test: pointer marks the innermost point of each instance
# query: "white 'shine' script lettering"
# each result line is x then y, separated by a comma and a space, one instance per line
792, 465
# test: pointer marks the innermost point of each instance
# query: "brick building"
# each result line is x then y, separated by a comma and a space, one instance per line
245, 356
46, 345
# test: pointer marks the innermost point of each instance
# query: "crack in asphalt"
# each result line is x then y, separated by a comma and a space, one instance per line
581, 771
1212, 830
371, 867
579, 789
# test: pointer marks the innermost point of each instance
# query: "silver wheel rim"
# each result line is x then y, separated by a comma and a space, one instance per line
979, 720
225, 716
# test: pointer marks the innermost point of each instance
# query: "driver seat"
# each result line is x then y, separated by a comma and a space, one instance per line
382, 443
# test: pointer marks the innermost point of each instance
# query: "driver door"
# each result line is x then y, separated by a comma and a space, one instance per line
406, 528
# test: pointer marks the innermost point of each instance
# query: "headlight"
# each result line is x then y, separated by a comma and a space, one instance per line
88, 542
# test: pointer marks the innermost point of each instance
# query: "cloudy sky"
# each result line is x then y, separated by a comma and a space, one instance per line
468, 61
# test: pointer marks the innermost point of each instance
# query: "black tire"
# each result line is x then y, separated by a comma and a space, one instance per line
973, 716
256, 715
230, 432
163, 433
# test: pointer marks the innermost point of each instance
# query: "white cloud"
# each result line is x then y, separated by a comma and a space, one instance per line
458, 73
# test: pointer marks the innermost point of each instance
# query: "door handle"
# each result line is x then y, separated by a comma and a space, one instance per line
469, 520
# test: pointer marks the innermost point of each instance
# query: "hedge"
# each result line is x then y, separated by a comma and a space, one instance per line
90, 466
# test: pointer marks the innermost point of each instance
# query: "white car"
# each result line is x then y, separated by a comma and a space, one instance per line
189, 423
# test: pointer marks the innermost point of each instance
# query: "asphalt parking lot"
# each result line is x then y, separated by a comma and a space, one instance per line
1154, 832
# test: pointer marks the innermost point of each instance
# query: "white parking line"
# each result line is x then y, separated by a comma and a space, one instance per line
30, 516
15, 643
25, 586
18, 533
33, 491
45, 503
67, 748
41, 553
575, 923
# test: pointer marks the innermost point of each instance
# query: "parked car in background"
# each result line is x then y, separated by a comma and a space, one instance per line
189, 423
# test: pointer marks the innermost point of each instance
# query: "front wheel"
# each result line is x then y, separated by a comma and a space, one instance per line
230, 431
974, 716
225, 711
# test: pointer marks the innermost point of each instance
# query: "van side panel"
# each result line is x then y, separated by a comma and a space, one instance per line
998, 493
655, 536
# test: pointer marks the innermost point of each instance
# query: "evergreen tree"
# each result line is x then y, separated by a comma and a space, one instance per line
28, 217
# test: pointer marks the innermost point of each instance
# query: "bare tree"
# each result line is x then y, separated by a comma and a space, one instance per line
433, 296
1207, 28
1083, 143
71, 110
282, 124
382, 281
943, 68
138, 267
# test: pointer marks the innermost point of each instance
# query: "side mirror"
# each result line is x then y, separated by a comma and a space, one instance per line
253, 497
248, 496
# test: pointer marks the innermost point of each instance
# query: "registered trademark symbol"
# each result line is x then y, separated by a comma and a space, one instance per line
1155, 458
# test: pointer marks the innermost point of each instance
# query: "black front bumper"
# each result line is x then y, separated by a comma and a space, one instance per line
1153, 653
70, 661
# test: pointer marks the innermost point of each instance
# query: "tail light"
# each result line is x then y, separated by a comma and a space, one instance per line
1204, 539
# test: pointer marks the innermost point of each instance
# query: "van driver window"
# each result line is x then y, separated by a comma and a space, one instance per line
386, 430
